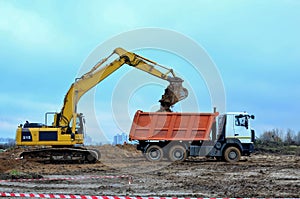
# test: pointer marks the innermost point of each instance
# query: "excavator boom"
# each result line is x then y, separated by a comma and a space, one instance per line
174, 92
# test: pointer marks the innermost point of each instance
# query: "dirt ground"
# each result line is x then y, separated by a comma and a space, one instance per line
261, 175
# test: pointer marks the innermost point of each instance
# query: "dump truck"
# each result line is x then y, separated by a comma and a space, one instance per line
179, 135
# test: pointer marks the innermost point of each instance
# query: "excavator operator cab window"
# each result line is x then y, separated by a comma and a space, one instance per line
79, 125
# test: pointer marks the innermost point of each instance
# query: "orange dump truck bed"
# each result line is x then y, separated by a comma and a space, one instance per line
171, 126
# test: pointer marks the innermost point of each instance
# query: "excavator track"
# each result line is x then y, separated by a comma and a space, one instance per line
62, 155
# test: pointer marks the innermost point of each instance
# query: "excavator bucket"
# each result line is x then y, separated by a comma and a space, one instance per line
174, 93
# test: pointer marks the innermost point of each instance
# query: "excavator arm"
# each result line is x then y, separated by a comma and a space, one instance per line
173, 93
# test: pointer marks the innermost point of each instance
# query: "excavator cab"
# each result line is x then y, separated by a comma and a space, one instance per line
80, 124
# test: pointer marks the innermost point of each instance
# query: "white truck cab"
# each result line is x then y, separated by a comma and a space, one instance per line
238, 126
235, 137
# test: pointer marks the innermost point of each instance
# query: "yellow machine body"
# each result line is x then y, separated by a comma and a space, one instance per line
46, 136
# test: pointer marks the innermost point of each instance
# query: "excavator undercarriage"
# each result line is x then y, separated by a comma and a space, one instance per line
62, 155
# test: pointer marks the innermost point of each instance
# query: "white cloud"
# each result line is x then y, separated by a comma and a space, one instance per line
101, 20
15, 110
119, 13
25, 108
27, 27
7, 125
30, 103
7, 128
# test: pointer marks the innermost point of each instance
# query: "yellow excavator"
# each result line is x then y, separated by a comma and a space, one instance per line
64, 139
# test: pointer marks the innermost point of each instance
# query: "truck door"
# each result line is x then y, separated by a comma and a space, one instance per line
242, 129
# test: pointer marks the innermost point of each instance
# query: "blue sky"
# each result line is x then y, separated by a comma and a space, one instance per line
255, 45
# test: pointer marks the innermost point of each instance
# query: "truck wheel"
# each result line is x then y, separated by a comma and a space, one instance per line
232, 154
177, 153
154, 153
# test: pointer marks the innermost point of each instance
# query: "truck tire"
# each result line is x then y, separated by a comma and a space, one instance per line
177, 153
232, 154
154, 153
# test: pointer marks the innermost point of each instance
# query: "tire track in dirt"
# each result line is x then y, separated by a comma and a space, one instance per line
261, 175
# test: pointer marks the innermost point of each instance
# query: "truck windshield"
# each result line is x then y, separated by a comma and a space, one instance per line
241, 120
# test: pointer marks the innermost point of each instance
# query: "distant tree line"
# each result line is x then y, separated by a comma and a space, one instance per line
288, 137
279, 142
6, 143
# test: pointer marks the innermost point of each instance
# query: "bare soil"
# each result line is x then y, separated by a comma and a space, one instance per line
261, 175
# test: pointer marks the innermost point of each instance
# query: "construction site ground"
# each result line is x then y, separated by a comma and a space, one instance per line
261, 175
